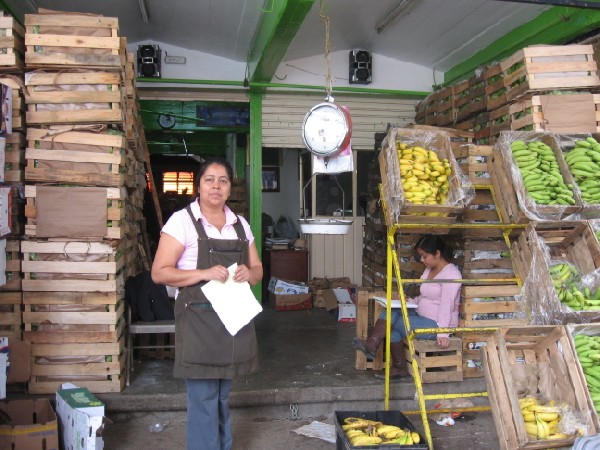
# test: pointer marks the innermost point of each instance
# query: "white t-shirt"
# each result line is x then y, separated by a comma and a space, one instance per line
180, 226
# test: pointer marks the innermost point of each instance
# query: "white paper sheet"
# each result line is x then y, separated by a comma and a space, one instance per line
395, 303
233, 301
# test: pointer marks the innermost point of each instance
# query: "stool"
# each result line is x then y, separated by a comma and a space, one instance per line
437, 365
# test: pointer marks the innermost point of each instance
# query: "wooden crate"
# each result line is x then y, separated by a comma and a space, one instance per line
81, 158
73, 98
437, 365
100, 367
483, 259
446, 112
482, 210
14, 158
513, 202
481, 127
117, 227
13, 266
471, 353
62, 40
472, 159
539, 113
11, 315
477, 97
73, 266
503, 310
462, 101
495, 90
545, 356
499, 120
12, 45
367, 312
398, 208
588, 330
549, 67
15, 84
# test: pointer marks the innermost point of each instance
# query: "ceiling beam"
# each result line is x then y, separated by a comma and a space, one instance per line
273, 36
553, 27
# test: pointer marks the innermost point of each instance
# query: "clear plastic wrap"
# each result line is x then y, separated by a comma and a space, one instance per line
461, 191
533, 210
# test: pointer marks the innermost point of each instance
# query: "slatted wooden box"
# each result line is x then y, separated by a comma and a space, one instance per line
539, 113
499, 120
116, 228
437, 365
82, 158
491, 306
12, 45
100, 367
514, 203
73, 98
10, 314
481, 127
63, 40
471, 353
473, 161
446, 112
15, 83
400, 209
544, 354
13, 266
482, 210
367, 313
549, 67
73, 266
14, 158
495, 90
487, 258
462, 101
477, 97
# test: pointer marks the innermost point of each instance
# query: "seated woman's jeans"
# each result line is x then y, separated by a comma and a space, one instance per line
416, 321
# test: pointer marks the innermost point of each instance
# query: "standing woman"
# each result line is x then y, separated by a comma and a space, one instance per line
197, 245
437, 306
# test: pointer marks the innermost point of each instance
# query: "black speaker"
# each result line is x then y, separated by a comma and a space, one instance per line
148, 61
360, 67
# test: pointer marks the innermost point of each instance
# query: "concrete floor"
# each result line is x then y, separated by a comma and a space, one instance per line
307, 373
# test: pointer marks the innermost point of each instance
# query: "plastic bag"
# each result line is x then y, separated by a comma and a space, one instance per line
284, 228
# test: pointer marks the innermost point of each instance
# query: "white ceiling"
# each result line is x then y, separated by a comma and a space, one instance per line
436, 34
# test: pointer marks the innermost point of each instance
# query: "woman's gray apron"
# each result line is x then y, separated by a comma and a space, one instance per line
203, 346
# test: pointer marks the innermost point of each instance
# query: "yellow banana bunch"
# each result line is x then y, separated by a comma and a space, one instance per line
368, 432
541, 421
365, 440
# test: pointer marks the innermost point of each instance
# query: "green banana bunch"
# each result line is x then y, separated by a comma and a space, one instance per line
565, 278
584, 163
541, 175
588, 353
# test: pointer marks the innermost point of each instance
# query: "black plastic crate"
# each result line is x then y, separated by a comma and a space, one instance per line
387, 417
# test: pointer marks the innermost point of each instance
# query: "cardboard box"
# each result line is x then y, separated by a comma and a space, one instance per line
33, 425
342, 300
282, 287
81, 417
290, 302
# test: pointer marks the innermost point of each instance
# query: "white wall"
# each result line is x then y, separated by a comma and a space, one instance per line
286, 200
387, 73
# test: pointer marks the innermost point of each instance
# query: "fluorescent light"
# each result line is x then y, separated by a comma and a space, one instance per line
393, 15
144, 11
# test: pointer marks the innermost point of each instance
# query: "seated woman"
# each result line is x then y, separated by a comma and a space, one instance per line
437, 306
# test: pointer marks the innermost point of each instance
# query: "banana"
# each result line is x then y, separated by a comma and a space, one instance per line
557, 436
531, 429
544, 409
415, 437
528, 416
547, 417
365, 440
542, 428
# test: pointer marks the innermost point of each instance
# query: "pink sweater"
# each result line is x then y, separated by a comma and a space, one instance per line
440, 301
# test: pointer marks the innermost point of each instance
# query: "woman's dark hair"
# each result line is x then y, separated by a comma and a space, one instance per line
215, 160
431, 244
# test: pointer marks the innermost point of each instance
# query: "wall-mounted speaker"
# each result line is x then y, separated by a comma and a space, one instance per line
148, 61
360, 67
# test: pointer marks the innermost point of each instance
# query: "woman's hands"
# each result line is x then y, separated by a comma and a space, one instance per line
242, 273
443, 341
220, 273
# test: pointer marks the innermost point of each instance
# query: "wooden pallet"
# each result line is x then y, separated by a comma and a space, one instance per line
63, 41
12, 45
73, 266
73, 98
82, 158
437, 365
117, 227
100, 367
542, 68
538, 360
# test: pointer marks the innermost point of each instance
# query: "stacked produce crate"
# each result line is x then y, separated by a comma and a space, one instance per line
12, 51
84, 193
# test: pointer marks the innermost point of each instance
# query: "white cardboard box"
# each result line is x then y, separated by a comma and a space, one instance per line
280, 287
80, 418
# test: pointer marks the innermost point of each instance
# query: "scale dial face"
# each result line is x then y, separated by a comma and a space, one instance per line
326, 129
166, 120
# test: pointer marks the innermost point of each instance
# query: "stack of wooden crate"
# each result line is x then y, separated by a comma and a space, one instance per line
84, 202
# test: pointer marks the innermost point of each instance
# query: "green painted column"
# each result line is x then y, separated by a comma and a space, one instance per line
255, 183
